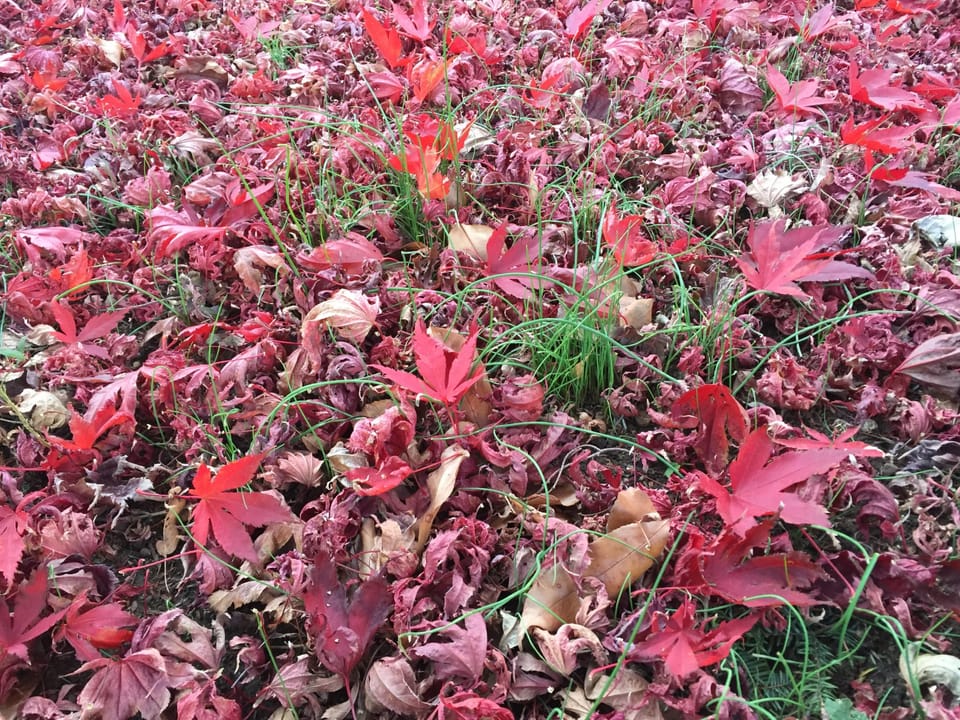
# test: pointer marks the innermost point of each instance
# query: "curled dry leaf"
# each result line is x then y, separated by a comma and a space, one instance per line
626, 692
926, 670
46, 411
351, 313
381, 542
561, 649
441, 483
170, 541
636, 535
771, 187
470, 239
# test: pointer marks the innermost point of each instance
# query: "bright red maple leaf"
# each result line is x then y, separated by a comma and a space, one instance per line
759, 485
731, 568
902, 177
543, 94
424, 164
778, 258
445, 375
425, 76
343, 630
417, 24
511, 268
23, 624
121, 104
386, 39
86, 432
97, 327
683, 646
90, 628
580, 20
380, 479
873, 87
624, 235
868, 135
818, 440
227, 514
800, 98
13, 527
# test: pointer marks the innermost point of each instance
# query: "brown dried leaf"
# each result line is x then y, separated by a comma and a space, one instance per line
441, 483
636, 536
351, 313
928, 670
470, 239
627, 694
168, 545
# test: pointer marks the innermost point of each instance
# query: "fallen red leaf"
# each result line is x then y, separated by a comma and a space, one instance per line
445, 375
759, 485
683, 646
779, 258
716, 414
800, 98
226, 513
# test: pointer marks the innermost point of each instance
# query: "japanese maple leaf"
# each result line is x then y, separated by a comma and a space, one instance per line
624, 235
138, 46
873, 87
520, 258
343, 630
97, 327
868, 135
173, 230
800, 98
425, 76
136, 683
542, 95
731, 569
384, 37
90, 628
226, 513
424, 165
778, 259
86, 432
446, 375
902, 177
121, 104
684, 647
417, 25
759, 485
13, 527
716, 414
822, 21
818, 440
380, 479
23, 624
579, 21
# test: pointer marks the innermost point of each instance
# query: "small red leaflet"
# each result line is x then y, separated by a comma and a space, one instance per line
90, 627
446, 375
624, 235
759, 485
227, 513
385, 38
683, 646
800, 98
868, 135
778, 258
873, 87
22, 623
716, 414
579, 21
380, 479
121, 105
417, 25
98, 326
522, 259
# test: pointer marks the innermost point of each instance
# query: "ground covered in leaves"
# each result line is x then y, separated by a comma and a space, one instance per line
482, 359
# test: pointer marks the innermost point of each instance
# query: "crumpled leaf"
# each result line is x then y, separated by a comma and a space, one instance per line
924, 670
121, 688
390, 685
45, 410
463, 656
772, 186
617, 559
561, 650
351, 313
626, 693
935, 363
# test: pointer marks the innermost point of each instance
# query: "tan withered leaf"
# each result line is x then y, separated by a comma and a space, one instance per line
441, 483
636, 535
470, 239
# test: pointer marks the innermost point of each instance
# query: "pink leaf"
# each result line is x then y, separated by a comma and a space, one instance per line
119, 689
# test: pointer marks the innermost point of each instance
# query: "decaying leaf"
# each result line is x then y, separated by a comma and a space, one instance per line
470, 239
441, 483
45, 410
924, 670
351, 313
635, 536
625, 691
